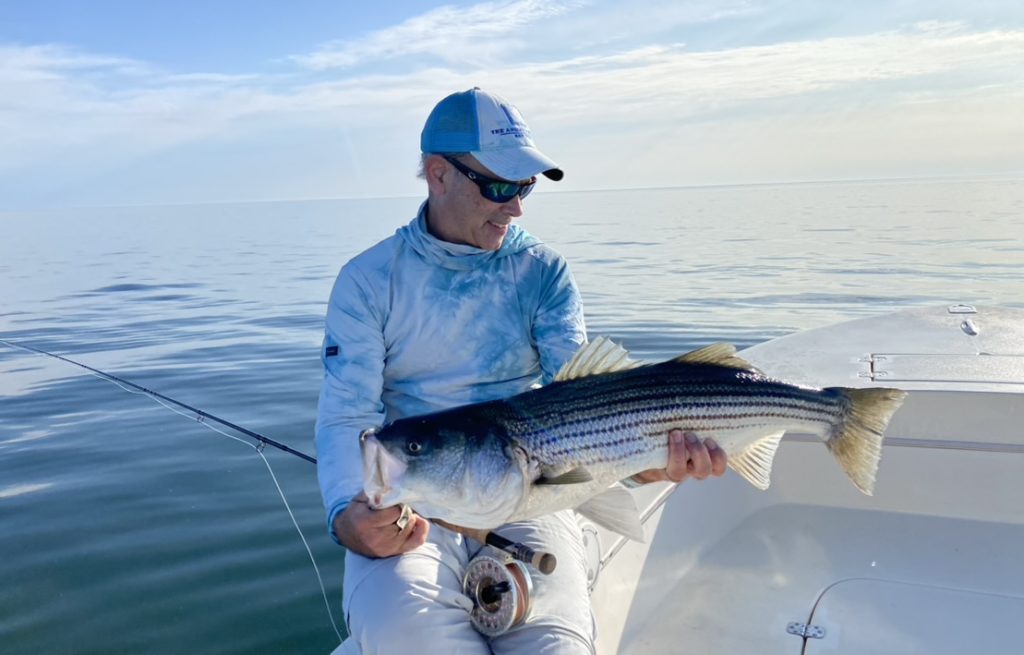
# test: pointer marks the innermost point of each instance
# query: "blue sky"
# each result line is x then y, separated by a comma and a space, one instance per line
118, 102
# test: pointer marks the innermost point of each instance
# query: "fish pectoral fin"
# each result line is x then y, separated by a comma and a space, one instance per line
575, 476
719, 354
616, 510
602, 355
754, 462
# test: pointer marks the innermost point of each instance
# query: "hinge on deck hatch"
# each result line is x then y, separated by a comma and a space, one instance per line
806, 631
873, 369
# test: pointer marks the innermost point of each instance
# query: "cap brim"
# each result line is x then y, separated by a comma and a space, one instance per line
518, 163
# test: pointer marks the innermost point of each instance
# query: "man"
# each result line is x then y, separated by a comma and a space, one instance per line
459, 306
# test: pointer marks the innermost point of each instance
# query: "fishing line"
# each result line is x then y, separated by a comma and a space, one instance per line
542, 561
259, 451
200, 414
203, 418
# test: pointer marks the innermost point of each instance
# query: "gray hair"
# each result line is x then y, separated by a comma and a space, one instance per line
422, 173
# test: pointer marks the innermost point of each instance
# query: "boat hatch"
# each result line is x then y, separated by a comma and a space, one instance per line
881, 617
909, 367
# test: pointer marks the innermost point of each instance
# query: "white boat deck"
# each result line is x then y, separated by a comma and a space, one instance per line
932, 563
739, 594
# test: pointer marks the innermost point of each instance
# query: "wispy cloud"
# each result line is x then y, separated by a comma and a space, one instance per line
35, 60
54, 99
68, 111
443, 33
670, 79
42, 84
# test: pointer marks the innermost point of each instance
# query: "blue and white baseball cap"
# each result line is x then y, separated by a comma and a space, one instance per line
492, 130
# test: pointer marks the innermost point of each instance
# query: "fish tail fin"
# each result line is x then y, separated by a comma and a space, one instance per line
856, 441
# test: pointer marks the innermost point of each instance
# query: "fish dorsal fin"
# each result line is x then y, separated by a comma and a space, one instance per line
602, 355
616, 510
719, 354
574, 476
754, 463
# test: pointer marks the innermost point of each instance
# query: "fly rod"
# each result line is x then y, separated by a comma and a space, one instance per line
200, 414
544, 562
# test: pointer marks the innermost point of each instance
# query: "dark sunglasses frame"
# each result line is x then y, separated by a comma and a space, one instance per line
499, 191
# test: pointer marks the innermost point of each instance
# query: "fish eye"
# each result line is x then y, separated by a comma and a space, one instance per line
414, 447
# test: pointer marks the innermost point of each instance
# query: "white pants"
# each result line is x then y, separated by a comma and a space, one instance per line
413, 603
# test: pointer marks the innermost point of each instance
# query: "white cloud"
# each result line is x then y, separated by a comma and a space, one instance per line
29, 61
443, 33
72, 113
668, 81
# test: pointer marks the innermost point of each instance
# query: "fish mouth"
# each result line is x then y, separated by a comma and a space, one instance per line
382, 472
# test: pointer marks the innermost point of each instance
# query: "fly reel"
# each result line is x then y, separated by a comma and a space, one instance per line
500, 589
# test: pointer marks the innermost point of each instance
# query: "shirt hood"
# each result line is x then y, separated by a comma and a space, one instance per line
456, 256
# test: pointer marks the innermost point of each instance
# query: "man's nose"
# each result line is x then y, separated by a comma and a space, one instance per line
513, 207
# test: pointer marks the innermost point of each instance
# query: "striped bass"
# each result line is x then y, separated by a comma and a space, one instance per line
606, 417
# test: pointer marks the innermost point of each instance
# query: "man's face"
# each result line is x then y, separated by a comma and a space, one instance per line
472, 219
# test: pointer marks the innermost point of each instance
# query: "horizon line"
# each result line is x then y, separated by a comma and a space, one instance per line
723, 185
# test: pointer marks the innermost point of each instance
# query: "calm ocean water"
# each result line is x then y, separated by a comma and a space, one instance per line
127, 529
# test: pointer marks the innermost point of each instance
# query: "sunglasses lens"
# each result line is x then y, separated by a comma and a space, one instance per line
499, 192
502, 192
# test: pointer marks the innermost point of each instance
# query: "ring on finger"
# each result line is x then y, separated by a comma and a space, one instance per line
403, 518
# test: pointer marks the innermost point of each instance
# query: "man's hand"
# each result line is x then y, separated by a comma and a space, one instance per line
688, 457
374, 533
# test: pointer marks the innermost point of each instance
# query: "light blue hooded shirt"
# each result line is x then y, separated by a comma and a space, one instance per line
416, 325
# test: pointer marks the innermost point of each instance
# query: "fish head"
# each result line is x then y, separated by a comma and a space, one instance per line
464, 473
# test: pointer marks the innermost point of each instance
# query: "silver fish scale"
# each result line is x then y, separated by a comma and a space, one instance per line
616, 417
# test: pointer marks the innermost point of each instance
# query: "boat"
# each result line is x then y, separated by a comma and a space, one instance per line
932, 563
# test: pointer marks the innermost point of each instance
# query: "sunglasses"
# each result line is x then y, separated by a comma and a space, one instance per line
499, 191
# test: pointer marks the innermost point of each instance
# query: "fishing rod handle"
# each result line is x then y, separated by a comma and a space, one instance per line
543, 562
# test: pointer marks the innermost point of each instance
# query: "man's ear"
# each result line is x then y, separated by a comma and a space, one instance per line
438, 174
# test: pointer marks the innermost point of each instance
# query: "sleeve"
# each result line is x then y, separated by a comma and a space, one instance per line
559, 329
350, 398
558, 326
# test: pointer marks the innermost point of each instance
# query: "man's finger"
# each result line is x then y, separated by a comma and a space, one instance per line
719, 461
700, 460
678, 456
381, 517
415, 534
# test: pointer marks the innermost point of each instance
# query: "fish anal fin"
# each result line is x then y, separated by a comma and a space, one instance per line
754, 463
602, 355
574, 476
616, 510
719, 354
